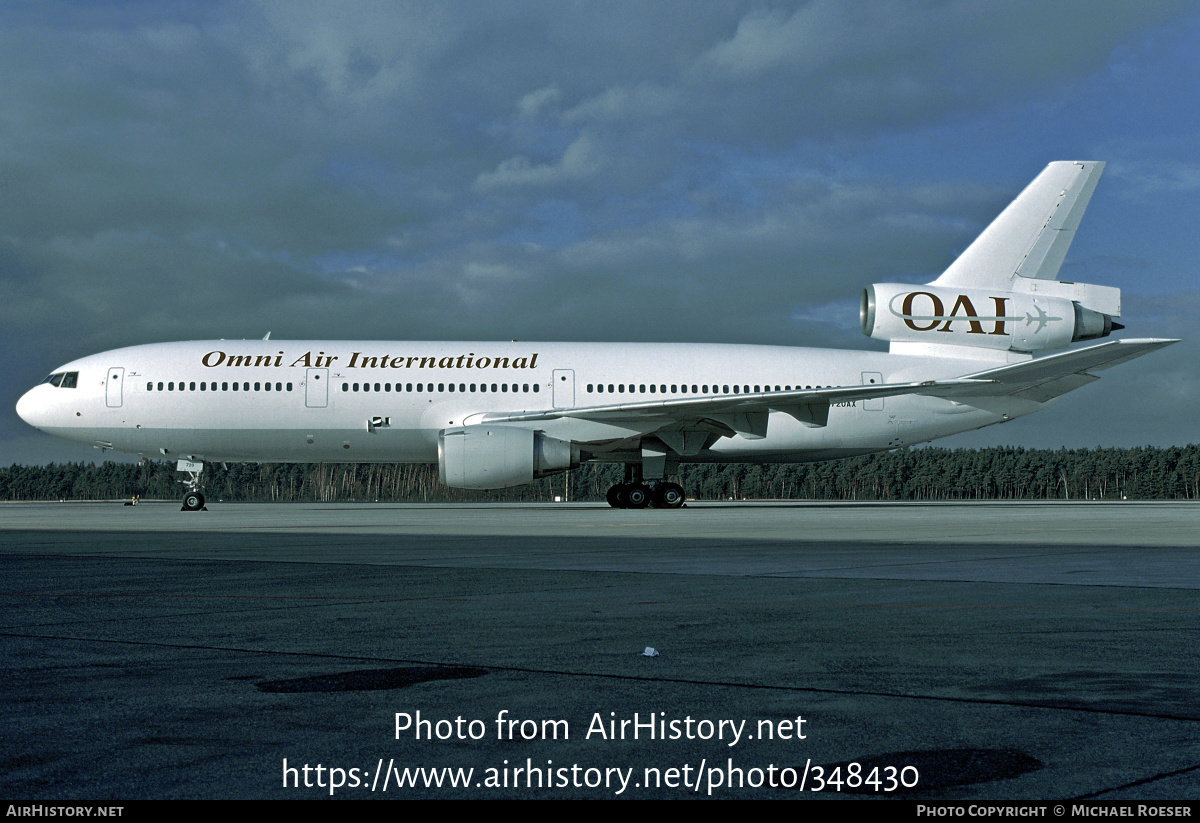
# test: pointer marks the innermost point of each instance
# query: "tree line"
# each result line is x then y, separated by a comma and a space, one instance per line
1148, 473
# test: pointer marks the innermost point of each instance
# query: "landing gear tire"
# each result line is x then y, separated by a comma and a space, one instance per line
637, 496
193, 502
616, 496
668, 496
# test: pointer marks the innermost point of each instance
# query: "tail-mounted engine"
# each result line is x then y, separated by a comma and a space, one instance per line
496, 457
1044, 315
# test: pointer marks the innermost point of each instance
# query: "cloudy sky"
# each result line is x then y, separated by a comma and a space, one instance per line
675, 171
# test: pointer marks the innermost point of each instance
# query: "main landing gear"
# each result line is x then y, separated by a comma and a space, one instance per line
636, 494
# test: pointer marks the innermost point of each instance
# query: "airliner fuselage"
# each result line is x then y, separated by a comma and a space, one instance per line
386, 401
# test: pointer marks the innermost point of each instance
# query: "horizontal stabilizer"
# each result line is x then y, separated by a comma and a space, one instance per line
1048, 377
1092, 358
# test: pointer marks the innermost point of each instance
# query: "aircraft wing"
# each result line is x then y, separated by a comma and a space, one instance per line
746, 414
810, 406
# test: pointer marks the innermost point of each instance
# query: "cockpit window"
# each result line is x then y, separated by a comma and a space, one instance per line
63, 379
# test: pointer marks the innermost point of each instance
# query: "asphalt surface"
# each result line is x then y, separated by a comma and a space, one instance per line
952, 651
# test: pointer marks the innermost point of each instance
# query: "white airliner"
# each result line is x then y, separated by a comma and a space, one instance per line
493, 415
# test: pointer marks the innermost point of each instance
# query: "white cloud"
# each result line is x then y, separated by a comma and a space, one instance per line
581, 160
646, 102
536, 102
1146, 179
768, 39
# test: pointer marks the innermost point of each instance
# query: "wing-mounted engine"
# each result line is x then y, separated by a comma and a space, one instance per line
1039, 316
496, 457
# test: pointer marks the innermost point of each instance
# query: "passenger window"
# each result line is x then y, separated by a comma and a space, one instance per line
192, 386
420, 387
149, 387
536, 387
345, 386
376, 387
451, 387
289, 386
224, 386
441, 387
652, 388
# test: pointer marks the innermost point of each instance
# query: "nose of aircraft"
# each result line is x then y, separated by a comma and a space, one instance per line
31, 407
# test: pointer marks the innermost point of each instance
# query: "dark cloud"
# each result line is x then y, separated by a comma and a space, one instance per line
622, 170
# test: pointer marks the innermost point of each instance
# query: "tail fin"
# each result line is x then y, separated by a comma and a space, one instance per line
1002, 294
1030, 238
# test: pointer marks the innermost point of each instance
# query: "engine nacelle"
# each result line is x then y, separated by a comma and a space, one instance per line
1005, 320
496, 457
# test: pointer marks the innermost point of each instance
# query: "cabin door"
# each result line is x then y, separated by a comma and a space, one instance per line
564, 388
316, 388
112, 387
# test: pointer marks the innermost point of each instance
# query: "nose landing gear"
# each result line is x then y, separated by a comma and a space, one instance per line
193, 500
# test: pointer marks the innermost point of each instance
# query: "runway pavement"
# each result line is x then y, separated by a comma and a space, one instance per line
948, 651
